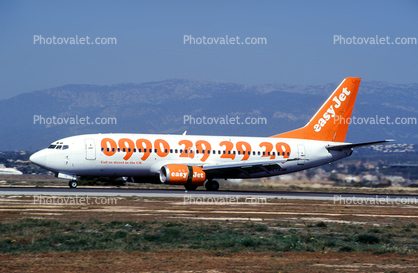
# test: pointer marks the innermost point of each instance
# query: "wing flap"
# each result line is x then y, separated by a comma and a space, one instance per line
245, 165
244, 170
355, 145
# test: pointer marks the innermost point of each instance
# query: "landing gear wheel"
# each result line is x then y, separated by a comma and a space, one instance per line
73, 184
190, 187
212, 185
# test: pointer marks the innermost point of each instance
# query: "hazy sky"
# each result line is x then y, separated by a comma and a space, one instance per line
300, 45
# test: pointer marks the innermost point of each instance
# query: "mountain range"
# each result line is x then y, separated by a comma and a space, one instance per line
161, 107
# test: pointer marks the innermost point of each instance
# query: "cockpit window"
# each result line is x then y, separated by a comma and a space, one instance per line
59, 146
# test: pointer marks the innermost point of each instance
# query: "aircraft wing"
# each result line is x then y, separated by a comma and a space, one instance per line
240, 169
355, 145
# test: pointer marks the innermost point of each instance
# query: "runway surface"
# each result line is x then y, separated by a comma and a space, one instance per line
51, 191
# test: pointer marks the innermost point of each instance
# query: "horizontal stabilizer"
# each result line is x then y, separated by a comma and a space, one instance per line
356, 145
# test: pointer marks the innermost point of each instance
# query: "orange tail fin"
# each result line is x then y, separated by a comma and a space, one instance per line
331, 121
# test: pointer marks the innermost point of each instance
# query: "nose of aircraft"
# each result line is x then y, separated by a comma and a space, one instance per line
39, 158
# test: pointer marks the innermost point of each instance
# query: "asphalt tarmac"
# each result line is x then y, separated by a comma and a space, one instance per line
88, 191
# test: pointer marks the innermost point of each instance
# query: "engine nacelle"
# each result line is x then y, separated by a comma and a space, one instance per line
182, 175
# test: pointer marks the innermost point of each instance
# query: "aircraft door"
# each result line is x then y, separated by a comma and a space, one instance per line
90, 149
301, 154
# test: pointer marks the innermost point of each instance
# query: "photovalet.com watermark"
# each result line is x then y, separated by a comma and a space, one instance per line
375, 120
73, 200
373, 40
223, 200
74, 40
76, 120
340, 200
225, 120
223, 40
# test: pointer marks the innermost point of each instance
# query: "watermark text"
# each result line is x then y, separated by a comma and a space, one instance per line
73, 200
373, 40
76, 40
338, 199
223, 200
41, 120
224, 40
226, 120
375, 120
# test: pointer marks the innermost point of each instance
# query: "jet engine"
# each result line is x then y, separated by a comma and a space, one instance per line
182, 175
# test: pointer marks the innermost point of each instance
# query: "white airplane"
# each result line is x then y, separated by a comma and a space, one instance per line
9, 171
195, 161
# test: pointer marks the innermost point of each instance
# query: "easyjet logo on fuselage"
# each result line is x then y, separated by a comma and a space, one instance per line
330, 113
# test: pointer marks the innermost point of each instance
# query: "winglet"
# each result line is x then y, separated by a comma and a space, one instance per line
331, 121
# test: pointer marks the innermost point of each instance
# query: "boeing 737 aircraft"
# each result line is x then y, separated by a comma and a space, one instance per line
195, 161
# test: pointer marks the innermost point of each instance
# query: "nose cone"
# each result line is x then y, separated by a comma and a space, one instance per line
39, 158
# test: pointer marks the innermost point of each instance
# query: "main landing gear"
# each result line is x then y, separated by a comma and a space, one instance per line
73, 184
212, 185
190, 187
